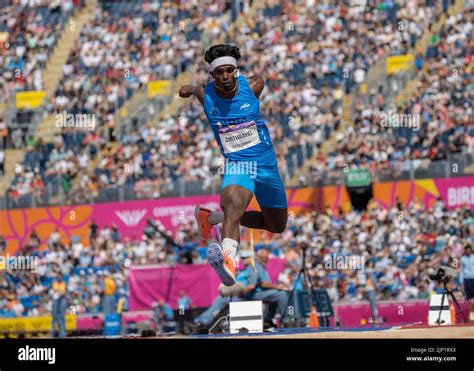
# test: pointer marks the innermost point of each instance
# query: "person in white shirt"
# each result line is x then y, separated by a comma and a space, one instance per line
2, 162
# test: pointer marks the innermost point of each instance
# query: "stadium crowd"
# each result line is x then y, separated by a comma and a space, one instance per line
310, 53
437, 121
399, 247
302, 103
317, 52
29, 31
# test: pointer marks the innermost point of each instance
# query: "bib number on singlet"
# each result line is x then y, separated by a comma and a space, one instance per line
239, 136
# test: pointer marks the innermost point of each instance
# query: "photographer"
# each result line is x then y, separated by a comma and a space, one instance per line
163, 317
266, 290
466, 275
252, 284
240, 291
58, 291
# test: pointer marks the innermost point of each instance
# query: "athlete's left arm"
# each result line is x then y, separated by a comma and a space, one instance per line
257, 83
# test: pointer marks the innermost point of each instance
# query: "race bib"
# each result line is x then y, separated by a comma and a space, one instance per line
239, 136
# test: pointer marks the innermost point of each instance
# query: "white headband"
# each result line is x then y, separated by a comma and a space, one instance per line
221, 61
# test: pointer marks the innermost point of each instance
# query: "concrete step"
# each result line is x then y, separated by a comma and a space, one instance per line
54, 68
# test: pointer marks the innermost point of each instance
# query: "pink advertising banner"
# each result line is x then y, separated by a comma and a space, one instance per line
130, 217
199, 281
16, 225
455, 192
392, 313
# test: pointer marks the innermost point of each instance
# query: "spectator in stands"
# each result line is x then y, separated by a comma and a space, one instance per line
2, 162
109, 290
58, 292
3, 244
3, 134
371, 289
252, 284
92, 231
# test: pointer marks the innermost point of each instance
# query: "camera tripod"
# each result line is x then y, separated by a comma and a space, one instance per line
448, 293
306, 283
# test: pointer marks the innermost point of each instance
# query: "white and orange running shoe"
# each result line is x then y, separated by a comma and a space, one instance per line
222, 263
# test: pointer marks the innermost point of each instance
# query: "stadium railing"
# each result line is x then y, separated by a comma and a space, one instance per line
457, 164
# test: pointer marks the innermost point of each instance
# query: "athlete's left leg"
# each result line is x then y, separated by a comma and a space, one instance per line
270, 219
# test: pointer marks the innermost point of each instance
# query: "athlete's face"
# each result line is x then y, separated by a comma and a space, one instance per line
225, 77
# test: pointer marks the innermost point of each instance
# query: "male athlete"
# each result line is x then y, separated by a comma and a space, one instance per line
232, 108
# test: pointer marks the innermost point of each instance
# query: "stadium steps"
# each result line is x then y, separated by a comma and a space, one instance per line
132, 105
456, 8
329, 144
347, 103
12, 158
402, 97
51, 76
53, 71
171, 109
244, 18
421, 46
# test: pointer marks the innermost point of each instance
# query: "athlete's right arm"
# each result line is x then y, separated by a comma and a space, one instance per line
187, 91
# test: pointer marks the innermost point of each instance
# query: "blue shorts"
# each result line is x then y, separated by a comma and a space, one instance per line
260, 176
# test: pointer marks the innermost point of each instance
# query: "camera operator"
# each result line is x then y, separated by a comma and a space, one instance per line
252, 284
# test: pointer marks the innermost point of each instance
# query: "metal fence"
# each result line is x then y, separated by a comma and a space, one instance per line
459, 164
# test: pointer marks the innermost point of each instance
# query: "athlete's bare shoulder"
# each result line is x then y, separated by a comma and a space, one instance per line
257, 83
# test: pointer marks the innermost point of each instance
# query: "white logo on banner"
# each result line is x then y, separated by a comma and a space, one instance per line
131, 218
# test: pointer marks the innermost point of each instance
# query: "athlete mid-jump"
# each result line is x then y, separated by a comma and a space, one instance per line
231, 103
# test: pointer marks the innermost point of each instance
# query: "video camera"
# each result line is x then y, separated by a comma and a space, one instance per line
443, 274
